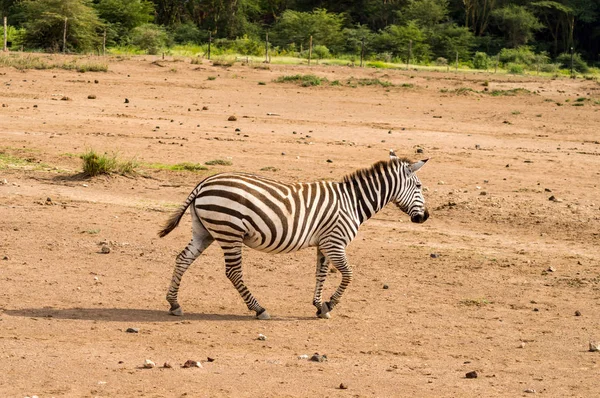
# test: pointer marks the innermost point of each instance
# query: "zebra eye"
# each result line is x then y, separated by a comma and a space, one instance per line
419, 186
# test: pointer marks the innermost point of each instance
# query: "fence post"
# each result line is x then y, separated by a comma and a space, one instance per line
362, 51
209, 41
571, 61
104, 43
310, 49
267, 47
65, 36
497, 62
456, 69
5, 48
409, 53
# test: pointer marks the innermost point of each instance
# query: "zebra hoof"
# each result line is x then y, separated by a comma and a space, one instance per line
263, 316
324, 312
176, 311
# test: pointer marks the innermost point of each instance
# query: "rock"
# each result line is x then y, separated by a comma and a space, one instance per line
343, 386
385, 287
282, 153
148, 364
551, 269
577, 313
232, 118
318, 358
96, 82
471, 375
434, 255
529, 391
48, 201
261, 337
303, 356
329, 161
536, 310
4, 182
65, 98
483, 193
126, 100
5, 258
419, 150
132, 330
522, 345
594, 346
91, 96
441, 183
552, 198
105, 249
547, 190
191, 364
209, 359
205, 108
477, 146
167, 365
237, 130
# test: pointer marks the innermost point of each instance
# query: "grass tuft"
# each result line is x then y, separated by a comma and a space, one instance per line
304, 80
218, 162
95, 164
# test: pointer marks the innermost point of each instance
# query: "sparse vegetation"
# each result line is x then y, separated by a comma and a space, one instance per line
511, 92
185, 166
269, 168
218, 162
27, 61
96, 164
474, 302
304, 80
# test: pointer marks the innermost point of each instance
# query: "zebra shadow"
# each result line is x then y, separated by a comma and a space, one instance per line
134, 315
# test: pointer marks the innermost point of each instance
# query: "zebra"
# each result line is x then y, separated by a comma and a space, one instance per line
236, 209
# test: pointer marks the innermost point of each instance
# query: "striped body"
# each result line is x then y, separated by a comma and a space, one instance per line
236, 209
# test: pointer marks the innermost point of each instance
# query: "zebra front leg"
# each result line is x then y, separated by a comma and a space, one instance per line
339, 261
187, 256
321, 275
233, 270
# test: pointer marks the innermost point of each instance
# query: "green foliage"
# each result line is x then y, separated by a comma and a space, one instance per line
520, 55
481, 60
321, 51
517, 23
395, 39
149, 37
304, 80
448, 39
579, 65
122, 16
297, 27
187, 33
426, 13
242, 46
95, 164
218, 162
23, 62
515, 69
45, 20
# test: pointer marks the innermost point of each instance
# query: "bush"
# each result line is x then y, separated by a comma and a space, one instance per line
95, 164
579, 65
441, 61
321, 51
520, 55
481, 60
149, 37
515, 69
187, 33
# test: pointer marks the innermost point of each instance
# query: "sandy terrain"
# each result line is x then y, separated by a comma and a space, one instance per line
512, 268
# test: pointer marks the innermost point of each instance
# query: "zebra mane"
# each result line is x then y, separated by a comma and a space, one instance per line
369, 170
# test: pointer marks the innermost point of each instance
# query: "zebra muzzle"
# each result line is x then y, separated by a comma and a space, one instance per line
420, 217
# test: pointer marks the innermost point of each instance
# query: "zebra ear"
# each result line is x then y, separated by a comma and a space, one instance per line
393, 155
417, 165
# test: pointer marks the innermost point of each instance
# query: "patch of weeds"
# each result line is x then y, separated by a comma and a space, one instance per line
91, 231
211, 78
516, 112
304, 80
443, 90
578, 104
95, 164
581, 99
262, 83
196, 61
185, 166
218, 162
269, 168
222, 61
548, 100
485, 83
464, 91
474, 302
373, 82
407, 85
336, 83
510, 93
23, 62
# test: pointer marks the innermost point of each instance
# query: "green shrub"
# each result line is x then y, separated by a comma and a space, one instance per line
218, 162
95, 164
481, 60
304, 80
321, 51
579, 65
520, 55
515, 69
149, 37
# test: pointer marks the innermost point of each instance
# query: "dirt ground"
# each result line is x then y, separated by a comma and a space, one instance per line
490, 283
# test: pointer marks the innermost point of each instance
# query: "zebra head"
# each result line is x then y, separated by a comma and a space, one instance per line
409, 196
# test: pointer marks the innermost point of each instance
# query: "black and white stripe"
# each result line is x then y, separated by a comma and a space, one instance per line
236, 209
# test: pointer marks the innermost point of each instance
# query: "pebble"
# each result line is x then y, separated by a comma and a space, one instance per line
434, 255
209, 359
148, 364
594, 347
282, 153
4, 182
91, 96
441, 183
232, 118
132, 330
471, 375
419, 150
318, 358
483, 193
385, 287
547, 190
343, 386
577, 313
105, 249
126, 100
303, 356
5, 258
167, 365
192, 364
551, 269
329, 161
522, 345
261, 337
205, 108
529, 391
477, 146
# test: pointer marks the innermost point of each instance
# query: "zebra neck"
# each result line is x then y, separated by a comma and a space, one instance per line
368, 194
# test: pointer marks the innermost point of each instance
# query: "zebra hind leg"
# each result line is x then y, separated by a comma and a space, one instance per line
321, 275
233, 270
339, 261
201, 239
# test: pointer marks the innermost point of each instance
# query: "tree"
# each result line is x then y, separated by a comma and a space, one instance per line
477, 14
45, 21
427, 13
517, 23
297, 27
124, 15
395, 39
448, 39
149, 37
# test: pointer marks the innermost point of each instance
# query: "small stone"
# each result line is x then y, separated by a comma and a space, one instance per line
594, 346
4, 182
205, 108
329, 161
192, 364
132, 330
48, 201
261, 337
441, 183
5, 258
209, 359
343, 386
318, 358
148, 364
105, 249
167, 365
477, 146
96, 82
282, 153
522, 345
536, 310
483, 193
91, 96
471, 375
96, 278
551, 269
577, 313
303, 356
232, 118
65, 98
547, 190
434, 255
385, 287
237, 130
126, 100
529, 391
419, 150
552, 198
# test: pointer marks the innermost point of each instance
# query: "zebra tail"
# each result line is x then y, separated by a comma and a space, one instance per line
174, 219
